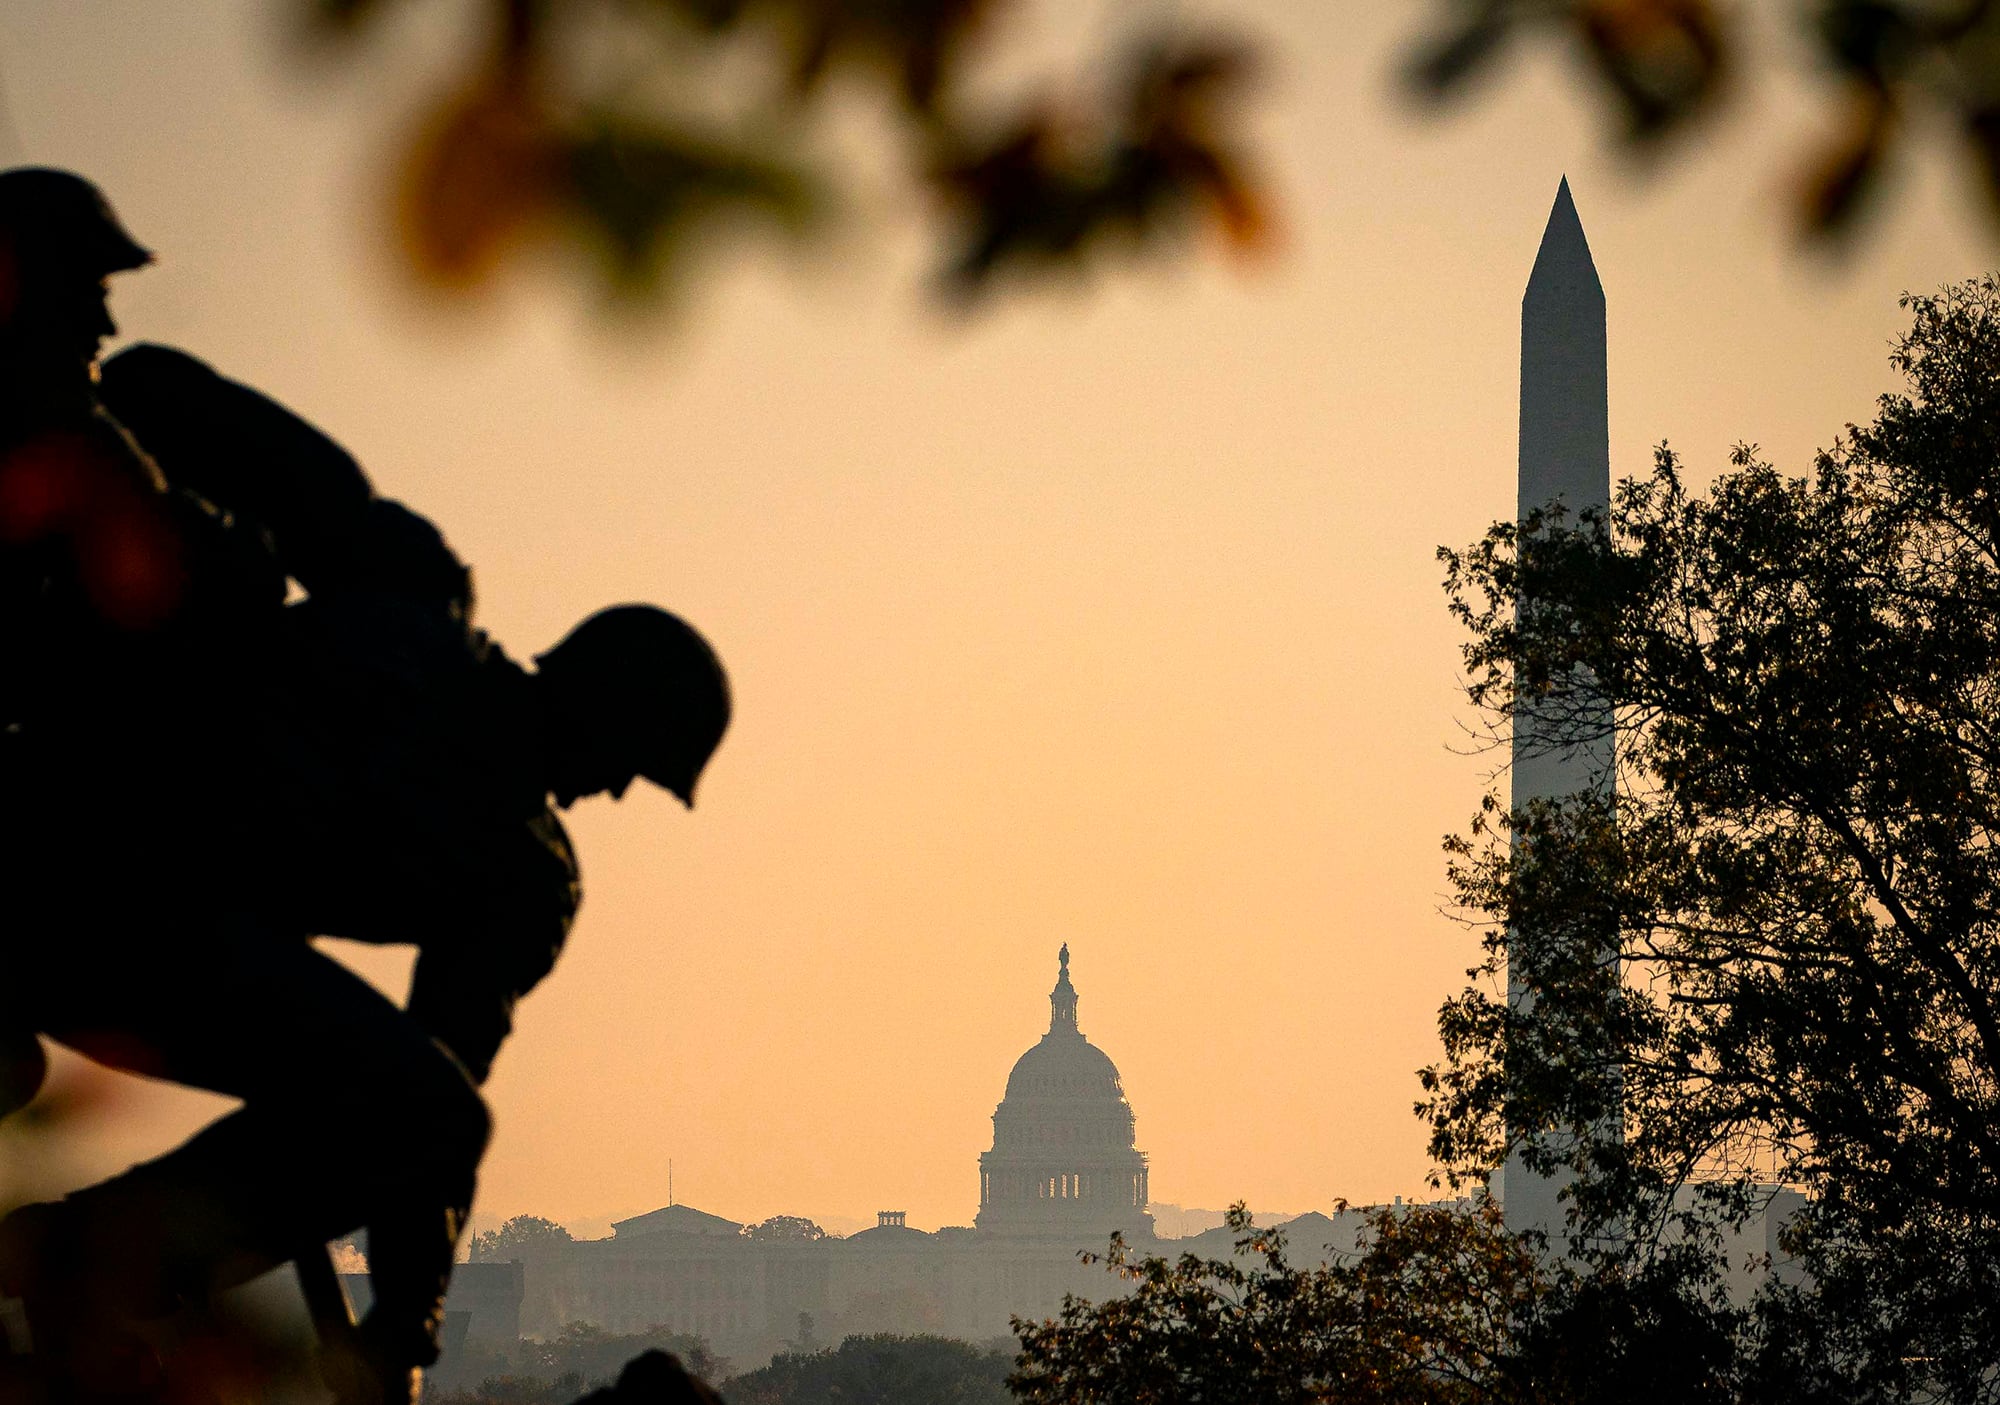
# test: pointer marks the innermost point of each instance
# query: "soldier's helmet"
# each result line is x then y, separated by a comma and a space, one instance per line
649, 689
55, 222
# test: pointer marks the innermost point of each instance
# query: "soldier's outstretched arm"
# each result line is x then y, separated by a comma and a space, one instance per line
511, 923
514, 918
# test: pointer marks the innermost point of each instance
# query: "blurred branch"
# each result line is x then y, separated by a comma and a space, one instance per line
1664, 64
523, 146
1043, 191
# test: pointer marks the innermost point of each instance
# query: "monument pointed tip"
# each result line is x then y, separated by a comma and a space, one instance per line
1565, 252
1563, 218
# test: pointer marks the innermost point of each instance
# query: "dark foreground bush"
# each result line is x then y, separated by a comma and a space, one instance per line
880, 1370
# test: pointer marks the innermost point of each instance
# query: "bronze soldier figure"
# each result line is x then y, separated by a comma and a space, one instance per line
359, 764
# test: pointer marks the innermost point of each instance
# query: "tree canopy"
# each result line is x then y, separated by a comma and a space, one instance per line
879, 1370
785, 1229
1420, 1312
522, 1237
1800, 865
596, 1356
579, 1359
1431, 1305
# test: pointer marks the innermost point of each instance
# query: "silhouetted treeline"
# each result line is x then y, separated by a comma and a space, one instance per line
865, 1370
580, 1359
880, 1370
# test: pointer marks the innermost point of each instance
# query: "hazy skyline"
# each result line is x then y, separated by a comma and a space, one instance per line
1109, 617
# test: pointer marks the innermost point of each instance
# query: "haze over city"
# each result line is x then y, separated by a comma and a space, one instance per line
1107, 616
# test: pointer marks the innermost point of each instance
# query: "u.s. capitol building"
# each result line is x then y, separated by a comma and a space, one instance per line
1064, 1172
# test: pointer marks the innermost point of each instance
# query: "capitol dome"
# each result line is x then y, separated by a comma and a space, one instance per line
1063, 1160
1065, 1068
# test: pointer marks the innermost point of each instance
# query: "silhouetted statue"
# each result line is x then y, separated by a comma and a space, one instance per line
374, 756
360, 764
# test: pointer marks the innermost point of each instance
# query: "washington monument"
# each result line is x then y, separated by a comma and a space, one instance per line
1566, 458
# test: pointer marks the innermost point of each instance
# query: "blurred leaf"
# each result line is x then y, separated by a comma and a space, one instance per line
483, 170
344, 16
532, 146
1181, 116
1666, 63
1043, 191
1174, 79
1664, 58
1240, 210
346, 13
1846, 171
1866, 36
917, 41
647, 189
1441, 65
1008, 195
707, 14
1983, 127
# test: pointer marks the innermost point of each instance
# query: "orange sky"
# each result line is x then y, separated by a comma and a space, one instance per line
1110, 617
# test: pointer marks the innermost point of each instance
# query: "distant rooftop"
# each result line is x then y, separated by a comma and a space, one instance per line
674, 1219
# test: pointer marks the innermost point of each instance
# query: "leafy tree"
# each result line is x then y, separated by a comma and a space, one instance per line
580, 1359
596, 1356
633, 129
1800, 865
1437, 1305
523, 1237
879, 1370
1421, 1312
470, 1362
785, 1229
1659, 1331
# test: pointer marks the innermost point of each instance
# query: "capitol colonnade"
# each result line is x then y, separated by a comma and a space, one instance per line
1123, 1188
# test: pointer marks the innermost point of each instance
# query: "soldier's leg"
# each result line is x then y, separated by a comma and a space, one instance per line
349, 1107
468, 1006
